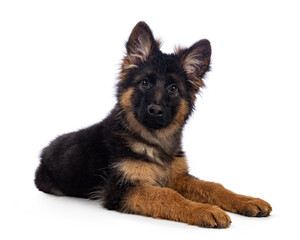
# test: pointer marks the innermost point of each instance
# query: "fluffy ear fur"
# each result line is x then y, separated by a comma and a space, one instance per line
195, 61
140, 46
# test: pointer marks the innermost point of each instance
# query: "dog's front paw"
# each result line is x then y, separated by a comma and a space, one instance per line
213, 217
254, 207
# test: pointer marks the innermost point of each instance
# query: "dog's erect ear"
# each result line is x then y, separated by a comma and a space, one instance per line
195, 61
141, 44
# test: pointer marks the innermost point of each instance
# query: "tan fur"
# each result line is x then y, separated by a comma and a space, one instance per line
126, 97
150, 172
152, 199
182, 112
214, 193
165, 203
144, 172
183, 198
178, 168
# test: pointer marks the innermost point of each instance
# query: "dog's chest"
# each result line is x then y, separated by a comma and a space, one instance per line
150, 166
159, 152
149, 152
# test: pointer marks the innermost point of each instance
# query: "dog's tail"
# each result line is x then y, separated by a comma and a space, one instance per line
44, 182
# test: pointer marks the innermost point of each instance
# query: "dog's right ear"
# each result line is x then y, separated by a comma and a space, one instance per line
140, 46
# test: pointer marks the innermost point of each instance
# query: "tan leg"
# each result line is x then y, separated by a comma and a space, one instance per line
214, 193
166, 203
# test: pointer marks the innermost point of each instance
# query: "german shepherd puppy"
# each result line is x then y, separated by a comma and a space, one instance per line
133, 160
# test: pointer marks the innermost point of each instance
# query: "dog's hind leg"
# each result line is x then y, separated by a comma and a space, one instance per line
44, 182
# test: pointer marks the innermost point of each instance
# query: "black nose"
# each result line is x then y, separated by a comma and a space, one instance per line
155, 110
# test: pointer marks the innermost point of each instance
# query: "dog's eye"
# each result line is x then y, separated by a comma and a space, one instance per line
145, 83
173, 89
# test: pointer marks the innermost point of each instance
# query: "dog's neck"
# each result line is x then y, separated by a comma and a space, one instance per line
168, 139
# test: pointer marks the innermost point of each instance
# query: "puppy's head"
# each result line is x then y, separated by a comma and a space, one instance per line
158, 90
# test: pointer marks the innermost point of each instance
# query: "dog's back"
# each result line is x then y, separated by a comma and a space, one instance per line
69, 166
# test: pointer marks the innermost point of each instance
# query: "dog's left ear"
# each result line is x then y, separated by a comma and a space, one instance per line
141, 45
195, 61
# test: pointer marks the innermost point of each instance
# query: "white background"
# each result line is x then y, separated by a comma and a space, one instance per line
59, 62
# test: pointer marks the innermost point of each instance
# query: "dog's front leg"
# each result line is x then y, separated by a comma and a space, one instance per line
166, 203
214, 193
